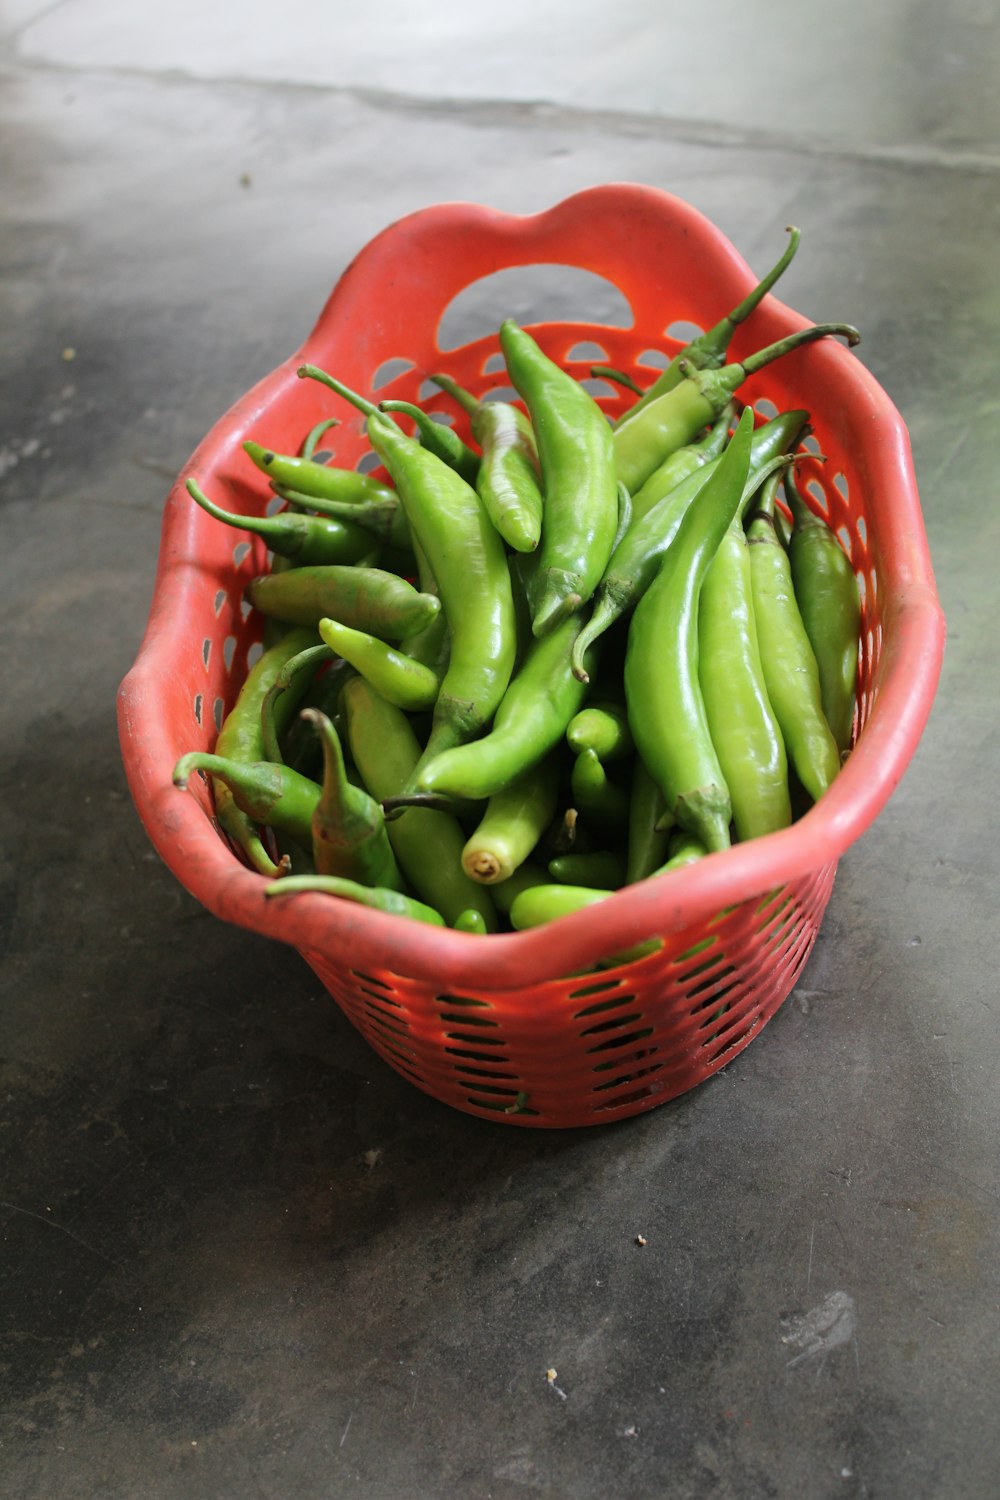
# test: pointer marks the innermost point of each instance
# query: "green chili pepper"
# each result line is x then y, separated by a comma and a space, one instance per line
471, 921
469, 563
595, 795
266, 792
545, 903
826, 591
578, 479
512, 825
240, 738
509, 476
304, 539
708, 350
625, 515
349, 836
383, 517
298, 669
741, 721
665, 707
469, 403
526, 876
399, 678
432, 645
684, 461
319, 481
647, 841
427, 845
788, 660
533, 906
635, 561
377, 898
683, 849
643, 442
508, 480
365, 598
438, 439
601, 869
603, 728
531, 719
299, 745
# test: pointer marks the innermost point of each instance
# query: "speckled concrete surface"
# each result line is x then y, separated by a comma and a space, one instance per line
240, 1256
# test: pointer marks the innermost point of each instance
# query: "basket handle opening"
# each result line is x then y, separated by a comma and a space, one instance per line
536, 292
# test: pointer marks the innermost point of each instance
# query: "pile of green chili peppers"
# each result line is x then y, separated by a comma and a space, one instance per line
502, 680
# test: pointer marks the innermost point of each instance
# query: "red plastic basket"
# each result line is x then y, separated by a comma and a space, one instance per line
499, 1026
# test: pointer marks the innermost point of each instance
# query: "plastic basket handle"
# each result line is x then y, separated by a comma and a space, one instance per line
426, 259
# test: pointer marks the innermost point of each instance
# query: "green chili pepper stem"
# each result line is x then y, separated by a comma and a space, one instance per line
568, 835
718, 385
311, 441
400, 679
392, 902
765, 502
438, 439
708, 350
643, 442
393, 805
362, 403
466, 400
619, 377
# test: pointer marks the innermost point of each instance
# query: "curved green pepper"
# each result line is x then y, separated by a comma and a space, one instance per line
577, 461
826, 590
787, 657
469, 564
665, 706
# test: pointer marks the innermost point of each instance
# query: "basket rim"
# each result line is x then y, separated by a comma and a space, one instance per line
914, 631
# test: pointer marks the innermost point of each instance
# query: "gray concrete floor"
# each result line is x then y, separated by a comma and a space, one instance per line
240, 1256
